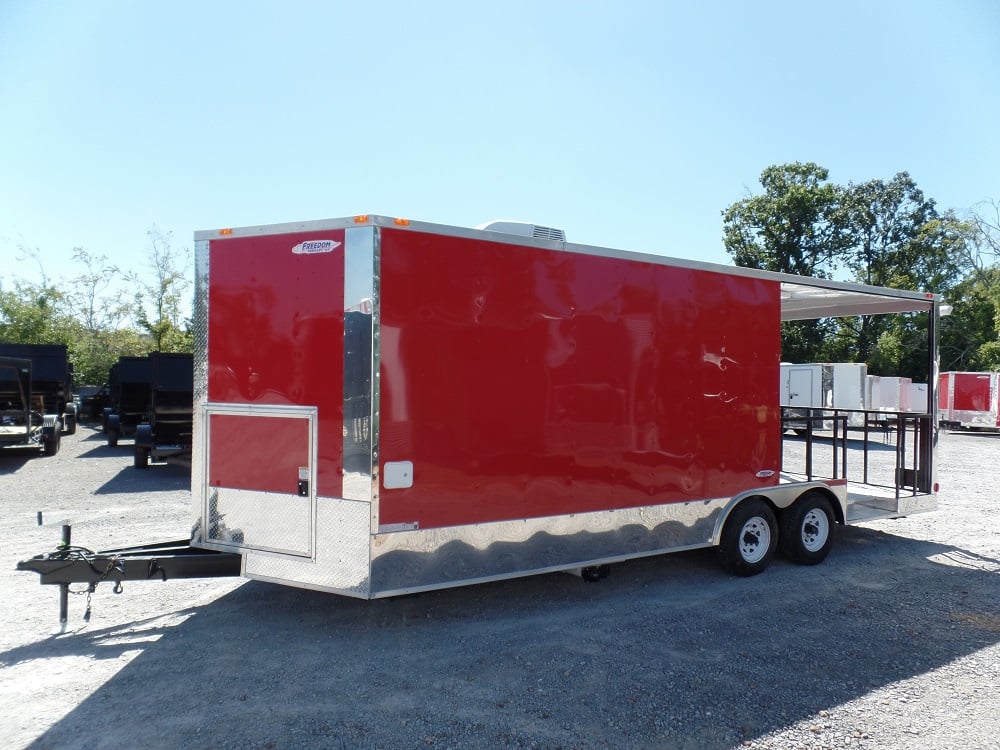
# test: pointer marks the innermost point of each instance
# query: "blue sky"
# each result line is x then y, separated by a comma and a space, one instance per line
627, 124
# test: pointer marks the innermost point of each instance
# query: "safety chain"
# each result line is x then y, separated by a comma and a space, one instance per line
112, 564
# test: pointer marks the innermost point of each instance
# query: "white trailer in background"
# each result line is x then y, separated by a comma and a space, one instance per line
890, 393
825, 385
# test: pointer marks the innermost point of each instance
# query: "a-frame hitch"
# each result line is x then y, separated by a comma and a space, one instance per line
164, 560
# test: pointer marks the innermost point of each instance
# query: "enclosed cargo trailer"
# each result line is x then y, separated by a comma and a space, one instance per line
384, 406
830, 386
970, 400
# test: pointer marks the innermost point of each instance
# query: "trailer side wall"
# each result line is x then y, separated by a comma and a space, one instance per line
525, 383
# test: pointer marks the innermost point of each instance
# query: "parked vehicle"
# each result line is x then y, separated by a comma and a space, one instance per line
21, 424
51, 380
837, 386
130, 382
970, 400
167, 429
92, 400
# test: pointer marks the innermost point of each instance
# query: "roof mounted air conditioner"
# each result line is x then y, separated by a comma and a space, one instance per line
524, 229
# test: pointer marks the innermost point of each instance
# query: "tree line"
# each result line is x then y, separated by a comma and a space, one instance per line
881, 233
102, 312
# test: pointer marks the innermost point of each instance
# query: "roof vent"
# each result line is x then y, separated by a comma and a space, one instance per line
524, 229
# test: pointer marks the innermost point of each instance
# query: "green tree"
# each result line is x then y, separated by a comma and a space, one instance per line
793, 227
896, 239
879, 233
158, 303
103, 315
969, 334
34, 314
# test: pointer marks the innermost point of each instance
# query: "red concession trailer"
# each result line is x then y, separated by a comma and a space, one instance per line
385, 406
970, 400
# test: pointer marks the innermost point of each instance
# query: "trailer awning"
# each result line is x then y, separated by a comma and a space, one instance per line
830, 299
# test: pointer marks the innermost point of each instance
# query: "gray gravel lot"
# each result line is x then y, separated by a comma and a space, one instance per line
893, 642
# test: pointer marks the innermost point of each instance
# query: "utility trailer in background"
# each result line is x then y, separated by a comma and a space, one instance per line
970, 400
384, 406
51, 381
167, 429
130, 381
21, 425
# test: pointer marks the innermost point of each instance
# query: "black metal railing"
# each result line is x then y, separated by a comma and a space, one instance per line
844, 439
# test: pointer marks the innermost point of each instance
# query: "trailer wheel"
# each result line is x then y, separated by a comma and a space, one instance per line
51, 445
806, 529
112, 437
748, 538
141, 457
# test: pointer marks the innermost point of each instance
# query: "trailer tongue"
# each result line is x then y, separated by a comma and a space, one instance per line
383, 406
164, 561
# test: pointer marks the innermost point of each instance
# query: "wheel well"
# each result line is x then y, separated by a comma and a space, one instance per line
720, 524
838, 511
776, 505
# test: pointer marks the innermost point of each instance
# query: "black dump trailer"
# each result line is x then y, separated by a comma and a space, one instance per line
130, 387
21, 425
167, 431
51, 381
91, 400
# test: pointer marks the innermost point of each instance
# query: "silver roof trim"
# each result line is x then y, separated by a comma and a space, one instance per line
802, 297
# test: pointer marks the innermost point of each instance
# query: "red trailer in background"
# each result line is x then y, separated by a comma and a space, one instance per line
969, 400
384, 406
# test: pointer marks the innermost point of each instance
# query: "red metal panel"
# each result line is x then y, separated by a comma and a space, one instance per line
527, 383
972, 391
275, 336
280, 446
944, 389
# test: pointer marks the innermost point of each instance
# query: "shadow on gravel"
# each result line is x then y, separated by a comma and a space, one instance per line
105, 451
666, 652
14, 459
96, 436
159, 477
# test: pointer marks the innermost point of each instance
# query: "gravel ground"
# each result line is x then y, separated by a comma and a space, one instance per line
893, 642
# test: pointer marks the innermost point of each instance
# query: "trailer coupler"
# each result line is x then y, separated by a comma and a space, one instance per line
69, 564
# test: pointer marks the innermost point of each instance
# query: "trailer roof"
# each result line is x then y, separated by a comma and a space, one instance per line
802, 297
808, 301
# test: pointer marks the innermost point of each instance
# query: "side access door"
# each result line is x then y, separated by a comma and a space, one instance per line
272, 425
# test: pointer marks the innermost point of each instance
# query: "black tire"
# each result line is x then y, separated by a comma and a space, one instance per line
112, 438
806, 529
141, 457
749, 538
70, 424
51, 446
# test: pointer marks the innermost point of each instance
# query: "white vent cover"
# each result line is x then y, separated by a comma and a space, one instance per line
524, 229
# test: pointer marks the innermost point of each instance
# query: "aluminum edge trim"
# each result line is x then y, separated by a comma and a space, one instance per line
199, 480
